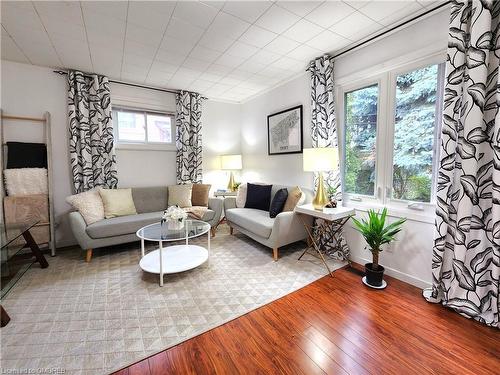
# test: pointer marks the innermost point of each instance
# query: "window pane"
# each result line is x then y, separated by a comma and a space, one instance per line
360, 137
159, 128
131, 126
414, 134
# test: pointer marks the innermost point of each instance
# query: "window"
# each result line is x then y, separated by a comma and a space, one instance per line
141, 127
360, 138
390, 130
414, 134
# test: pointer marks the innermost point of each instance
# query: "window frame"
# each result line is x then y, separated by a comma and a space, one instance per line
421, 211
143, 145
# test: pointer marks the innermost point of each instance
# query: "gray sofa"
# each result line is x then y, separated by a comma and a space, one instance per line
282, 230
150, 202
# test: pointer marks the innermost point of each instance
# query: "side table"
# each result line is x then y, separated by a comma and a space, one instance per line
224, 194
326, 229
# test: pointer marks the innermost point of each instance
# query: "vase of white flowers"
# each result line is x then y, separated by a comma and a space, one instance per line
175, 217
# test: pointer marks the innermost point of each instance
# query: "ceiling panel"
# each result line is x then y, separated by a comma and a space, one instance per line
227, 50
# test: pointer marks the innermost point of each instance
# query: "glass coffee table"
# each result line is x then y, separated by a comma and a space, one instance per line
175, 258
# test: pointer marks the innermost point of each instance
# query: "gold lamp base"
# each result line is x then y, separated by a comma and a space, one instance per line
231, 186
320, 199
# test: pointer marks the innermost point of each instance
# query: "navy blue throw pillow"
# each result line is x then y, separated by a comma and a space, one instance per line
278, 202
258, 196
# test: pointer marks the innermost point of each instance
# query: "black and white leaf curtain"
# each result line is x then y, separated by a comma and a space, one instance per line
324, 133
188, 139
466, 254
91, 148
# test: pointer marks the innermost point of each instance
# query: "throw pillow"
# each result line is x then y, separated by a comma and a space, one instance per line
117, 202
294, 197
89, 204
199, 194
180, 195
278, 202
26, 181
241, 196
258, 196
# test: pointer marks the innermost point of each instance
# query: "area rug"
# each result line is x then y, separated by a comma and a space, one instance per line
79, 318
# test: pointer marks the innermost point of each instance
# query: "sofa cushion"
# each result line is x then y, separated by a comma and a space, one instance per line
150, 199
121, 225
251, 219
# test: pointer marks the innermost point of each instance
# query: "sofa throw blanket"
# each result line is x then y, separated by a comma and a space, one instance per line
26, 181
196, 212
26, 155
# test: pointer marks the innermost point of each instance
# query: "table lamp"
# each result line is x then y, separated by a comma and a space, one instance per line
320, 159
231, 163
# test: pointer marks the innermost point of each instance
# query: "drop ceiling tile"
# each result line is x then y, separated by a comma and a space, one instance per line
329, 13
281, 45
73, 53
175, 45
302, 31
65, 29
100, 24
264, 57
219, 69
353, 25
289, 64
357, 3
272, 71
328, 41
215, 41
183, 30
170, 57
146, 50
114, 9
228, 26
381, 9
179, 82
188, 73
214, 4
68, 12
429, 4
411, 10
201, 85
159, 66
247, 10
251, 66
277, 19
230, 81
220, 88
205, 54
10, 51
137, 60
133, 77
153, 15
304, 53
195, 13
240, 49
257, 36
229, 60
192, 63
300, 8
20, 16
240, 74
158, 80
210, 77
105, 41
143, 35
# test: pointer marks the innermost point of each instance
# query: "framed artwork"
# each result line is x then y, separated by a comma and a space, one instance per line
284, 132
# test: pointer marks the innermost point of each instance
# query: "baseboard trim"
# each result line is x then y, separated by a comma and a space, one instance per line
419, 283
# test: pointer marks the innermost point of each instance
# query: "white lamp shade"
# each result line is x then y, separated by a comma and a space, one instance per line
230, 162
320, 159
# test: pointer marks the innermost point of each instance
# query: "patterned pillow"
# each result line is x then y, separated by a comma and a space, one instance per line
89, 204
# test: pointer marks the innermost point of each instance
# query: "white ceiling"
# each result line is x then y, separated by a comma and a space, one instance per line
229, 50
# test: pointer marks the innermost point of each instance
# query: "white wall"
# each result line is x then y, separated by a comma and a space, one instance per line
409, 258
31, 90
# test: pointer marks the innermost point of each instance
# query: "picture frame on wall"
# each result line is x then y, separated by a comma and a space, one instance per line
284, 132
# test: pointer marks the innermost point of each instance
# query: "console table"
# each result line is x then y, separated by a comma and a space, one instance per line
325, 232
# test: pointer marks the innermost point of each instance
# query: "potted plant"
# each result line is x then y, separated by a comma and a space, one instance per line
376, 233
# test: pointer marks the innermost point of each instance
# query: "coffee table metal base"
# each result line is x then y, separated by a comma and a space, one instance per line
174, 259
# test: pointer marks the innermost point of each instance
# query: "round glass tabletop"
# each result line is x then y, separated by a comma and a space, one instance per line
157, 232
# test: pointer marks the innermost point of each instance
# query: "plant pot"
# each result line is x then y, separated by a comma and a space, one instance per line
373, 278
175, 224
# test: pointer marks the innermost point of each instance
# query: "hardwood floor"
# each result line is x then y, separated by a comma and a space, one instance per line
338, 326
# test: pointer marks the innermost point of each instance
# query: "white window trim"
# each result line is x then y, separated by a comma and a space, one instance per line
143, 146
386, 78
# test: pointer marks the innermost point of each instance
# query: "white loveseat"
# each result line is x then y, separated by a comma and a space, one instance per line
282, 230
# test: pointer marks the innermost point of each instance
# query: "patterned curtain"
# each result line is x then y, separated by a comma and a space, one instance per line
324, 133
466, 254
188, 124
91, 149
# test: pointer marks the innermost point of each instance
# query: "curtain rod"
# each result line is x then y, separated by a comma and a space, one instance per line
62, 72
391, 29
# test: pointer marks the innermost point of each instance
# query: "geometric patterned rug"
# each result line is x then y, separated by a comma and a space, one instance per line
79, 318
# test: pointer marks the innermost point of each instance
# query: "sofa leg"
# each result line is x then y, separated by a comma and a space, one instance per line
212, 231
231, 230
88, 257
275, 253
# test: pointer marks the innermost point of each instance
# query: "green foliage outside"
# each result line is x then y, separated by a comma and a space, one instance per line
413, 136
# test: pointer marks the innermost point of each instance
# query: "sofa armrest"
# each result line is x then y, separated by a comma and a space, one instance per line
215, 204
78, 227
287, 228
229, 202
